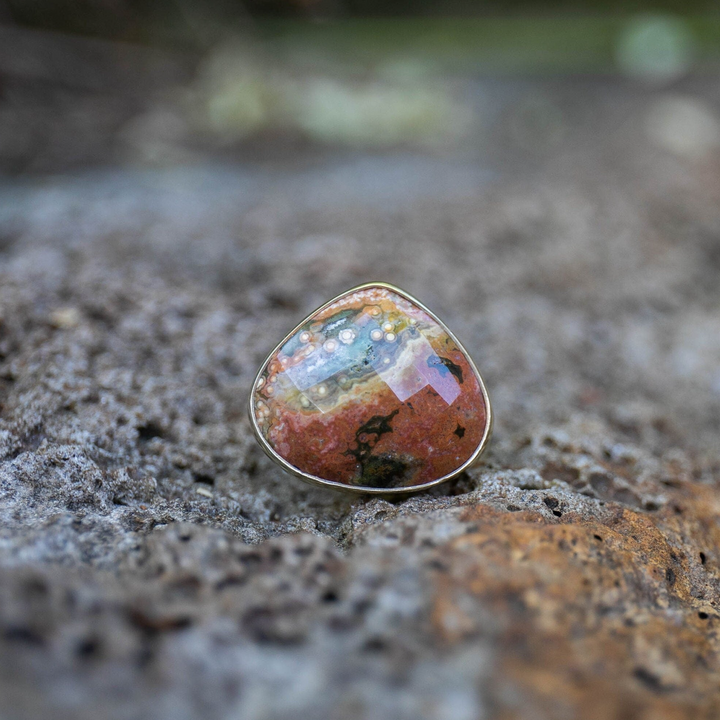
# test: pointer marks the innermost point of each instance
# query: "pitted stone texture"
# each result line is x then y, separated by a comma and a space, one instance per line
153, 563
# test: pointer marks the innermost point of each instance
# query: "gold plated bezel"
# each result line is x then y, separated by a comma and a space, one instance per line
361, 489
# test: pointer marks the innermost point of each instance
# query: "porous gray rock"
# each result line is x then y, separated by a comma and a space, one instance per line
153, 562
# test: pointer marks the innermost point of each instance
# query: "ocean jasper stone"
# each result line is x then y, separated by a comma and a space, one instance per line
371, 392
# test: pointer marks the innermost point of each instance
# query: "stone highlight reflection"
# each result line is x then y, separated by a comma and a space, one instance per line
371, 392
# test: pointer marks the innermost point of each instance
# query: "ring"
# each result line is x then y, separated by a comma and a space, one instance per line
371, 393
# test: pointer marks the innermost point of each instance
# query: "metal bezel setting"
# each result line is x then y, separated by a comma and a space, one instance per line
361, 489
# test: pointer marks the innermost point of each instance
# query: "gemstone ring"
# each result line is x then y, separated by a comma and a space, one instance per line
371, 393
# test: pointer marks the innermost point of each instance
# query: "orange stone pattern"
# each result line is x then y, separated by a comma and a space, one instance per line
372, 392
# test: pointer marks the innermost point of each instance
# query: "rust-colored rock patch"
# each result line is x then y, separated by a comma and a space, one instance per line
594, 619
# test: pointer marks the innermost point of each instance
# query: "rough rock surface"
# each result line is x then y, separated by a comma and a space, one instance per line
154, 564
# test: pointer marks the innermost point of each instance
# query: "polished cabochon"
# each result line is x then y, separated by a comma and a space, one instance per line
371, 393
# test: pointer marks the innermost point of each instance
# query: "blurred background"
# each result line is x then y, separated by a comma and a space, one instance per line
88, 84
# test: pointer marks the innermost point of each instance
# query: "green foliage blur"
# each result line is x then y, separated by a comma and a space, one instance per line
189, 22
90, 83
